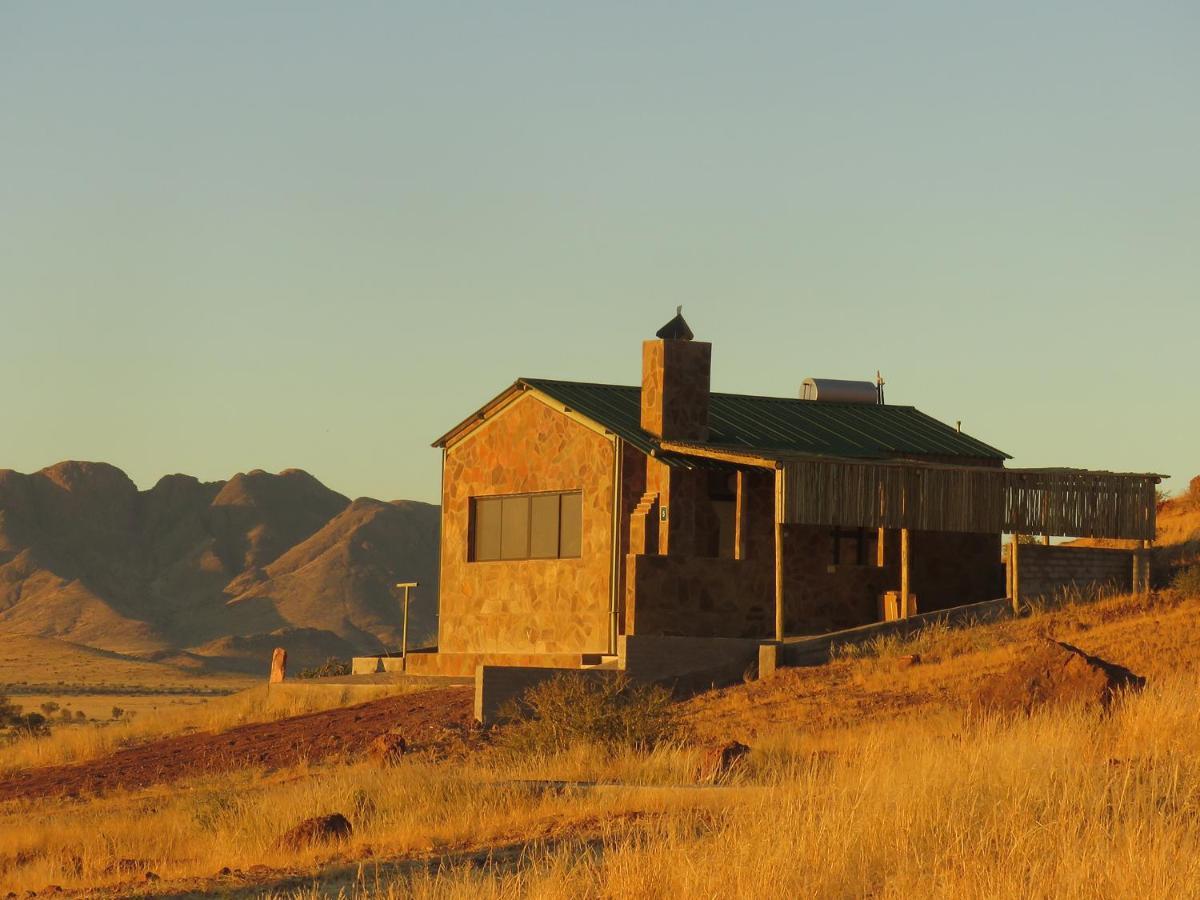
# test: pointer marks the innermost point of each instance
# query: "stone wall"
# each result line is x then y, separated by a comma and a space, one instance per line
950, 569
661, 659
1043, 571
527, 606
691, 592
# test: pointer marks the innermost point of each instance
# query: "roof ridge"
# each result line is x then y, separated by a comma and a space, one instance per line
773, 399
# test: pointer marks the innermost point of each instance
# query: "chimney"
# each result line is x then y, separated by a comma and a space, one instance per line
675, 376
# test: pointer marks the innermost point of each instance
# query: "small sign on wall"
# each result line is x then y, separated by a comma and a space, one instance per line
662, 514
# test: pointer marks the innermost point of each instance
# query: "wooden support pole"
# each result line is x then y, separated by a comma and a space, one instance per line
1136, 580
905, 602
881, 549
779, 554
1008, 554
739, 518
1144, 568
1016, 575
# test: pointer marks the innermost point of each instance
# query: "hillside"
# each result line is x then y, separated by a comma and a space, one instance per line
215, 571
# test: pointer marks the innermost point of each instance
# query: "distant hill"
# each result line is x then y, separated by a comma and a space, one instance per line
220, 570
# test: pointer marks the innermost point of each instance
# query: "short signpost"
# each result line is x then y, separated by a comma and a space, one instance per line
408, 586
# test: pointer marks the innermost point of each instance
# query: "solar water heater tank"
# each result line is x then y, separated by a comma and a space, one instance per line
839, 390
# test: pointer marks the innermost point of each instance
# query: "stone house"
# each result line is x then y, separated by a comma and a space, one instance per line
574, 514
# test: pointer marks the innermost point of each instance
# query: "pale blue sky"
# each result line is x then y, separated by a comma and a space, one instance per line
262, 235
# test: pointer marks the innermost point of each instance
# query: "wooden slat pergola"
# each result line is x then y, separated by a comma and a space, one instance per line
913, 495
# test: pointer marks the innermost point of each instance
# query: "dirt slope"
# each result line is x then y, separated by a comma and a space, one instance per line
423, 718
1155, 637
87, 557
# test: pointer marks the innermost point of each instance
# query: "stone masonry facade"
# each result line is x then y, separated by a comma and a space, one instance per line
536, 606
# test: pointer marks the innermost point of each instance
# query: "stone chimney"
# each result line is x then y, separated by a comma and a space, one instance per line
675, 378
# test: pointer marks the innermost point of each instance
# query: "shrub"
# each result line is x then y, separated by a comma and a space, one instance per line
32, 724
1187, 580
610, 713
328, 669
9, 712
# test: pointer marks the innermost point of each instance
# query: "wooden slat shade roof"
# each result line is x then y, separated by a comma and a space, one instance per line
928, 496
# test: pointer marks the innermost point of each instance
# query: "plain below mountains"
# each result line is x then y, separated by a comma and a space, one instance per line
211, 574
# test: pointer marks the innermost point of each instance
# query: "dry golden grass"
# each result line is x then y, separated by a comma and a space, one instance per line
866, 779
77, 743
1062, 804
55, 664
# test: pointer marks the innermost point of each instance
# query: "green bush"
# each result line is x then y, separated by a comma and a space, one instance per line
328, 669
611, 713
1187, 580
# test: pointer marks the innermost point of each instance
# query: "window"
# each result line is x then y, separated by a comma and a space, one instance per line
526, 526
853, 546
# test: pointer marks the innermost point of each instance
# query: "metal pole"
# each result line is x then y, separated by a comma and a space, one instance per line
407, 585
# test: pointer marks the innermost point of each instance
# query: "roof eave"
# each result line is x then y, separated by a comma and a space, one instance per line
480, 415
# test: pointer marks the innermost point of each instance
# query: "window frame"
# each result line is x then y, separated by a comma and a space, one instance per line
528, 499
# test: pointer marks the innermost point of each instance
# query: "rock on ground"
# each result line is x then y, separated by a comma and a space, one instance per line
1057, 674
387, 749
719, 761
317, 830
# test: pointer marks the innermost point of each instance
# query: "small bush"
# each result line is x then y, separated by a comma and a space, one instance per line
328, 669
936, 640
611, 713
1187, 580
31, 724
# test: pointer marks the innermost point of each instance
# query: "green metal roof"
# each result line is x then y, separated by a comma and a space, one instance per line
779, 424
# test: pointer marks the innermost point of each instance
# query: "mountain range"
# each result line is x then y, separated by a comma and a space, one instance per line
215, 573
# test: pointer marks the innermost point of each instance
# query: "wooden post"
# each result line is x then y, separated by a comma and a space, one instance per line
739, 518
1136, 580
1008, 570
407, 585
1045, 540
779, 554
881, 549
904, 574
1143, 554
1016, 575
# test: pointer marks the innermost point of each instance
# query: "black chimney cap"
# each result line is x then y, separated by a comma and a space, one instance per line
675, 330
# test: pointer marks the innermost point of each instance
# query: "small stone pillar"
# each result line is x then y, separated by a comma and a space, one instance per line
278, 665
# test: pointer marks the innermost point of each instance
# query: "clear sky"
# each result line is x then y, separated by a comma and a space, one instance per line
267, 235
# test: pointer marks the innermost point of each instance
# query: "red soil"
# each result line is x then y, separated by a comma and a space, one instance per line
428, 720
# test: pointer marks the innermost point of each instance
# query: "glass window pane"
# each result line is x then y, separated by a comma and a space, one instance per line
487, 529
571, 525
543, 528
514, 531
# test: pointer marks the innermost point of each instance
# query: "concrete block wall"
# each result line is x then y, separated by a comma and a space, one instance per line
497, 686
1042, 571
